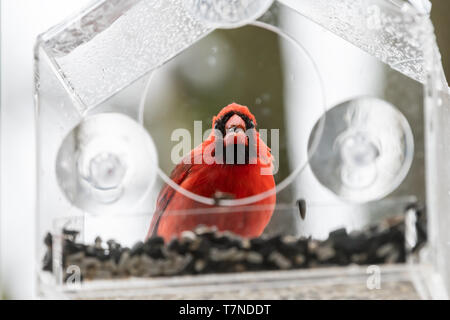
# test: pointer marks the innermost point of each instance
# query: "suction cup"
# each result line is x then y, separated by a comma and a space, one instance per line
106, 164
365, 151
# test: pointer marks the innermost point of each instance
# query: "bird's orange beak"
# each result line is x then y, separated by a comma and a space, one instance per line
235, 131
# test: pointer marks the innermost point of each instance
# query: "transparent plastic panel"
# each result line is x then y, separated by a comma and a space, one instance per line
116, 43
392, 31
226, 13
126, 89
53, 124
437, 101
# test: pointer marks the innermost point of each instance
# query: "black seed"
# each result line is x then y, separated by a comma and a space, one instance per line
70, 247
302, 208
280, 261
200, 247
71, 234
257, 243
155, 241
200, 266
137, 249
48, 240
91, 251
98, 242
206, 232
254, 258
174, 246
48, 261
112, 245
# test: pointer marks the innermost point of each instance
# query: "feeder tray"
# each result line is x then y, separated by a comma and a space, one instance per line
349, 95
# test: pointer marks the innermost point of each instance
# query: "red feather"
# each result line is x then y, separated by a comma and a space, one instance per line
176, 213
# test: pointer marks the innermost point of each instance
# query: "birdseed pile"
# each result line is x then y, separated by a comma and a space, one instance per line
206, 250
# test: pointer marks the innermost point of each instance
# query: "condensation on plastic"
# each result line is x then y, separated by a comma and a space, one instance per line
106, 50
227, 13
392, 31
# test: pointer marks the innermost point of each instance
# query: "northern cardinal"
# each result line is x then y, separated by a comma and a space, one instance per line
207, 172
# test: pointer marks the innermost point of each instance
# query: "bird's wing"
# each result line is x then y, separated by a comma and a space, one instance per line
178, 175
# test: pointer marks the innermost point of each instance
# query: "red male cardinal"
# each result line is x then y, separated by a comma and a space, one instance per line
207, 172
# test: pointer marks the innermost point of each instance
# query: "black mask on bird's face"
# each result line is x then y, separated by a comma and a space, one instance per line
235, 136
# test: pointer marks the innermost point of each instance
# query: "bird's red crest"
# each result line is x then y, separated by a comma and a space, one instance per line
236, 108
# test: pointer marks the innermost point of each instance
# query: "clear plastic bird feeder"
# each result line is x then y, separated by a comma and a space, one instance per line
350, 96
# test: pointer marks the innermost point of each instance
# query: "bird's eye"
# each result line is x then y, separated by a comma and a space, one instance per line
252, 124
